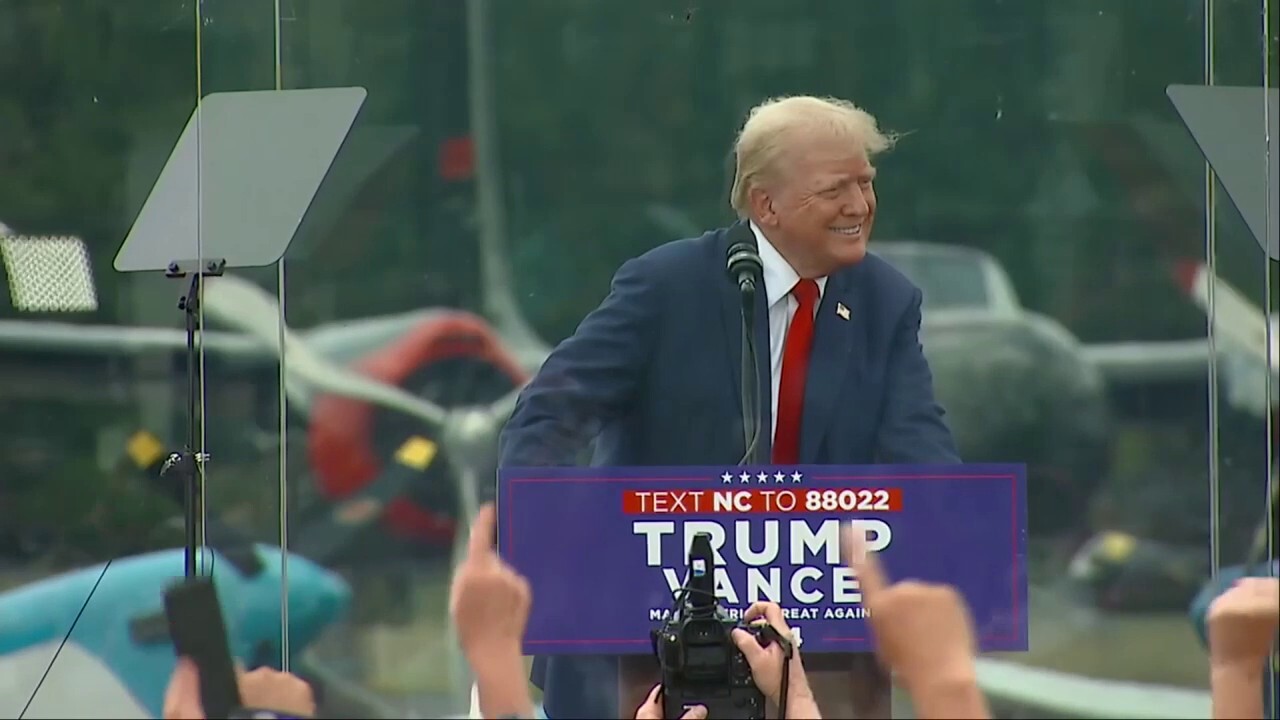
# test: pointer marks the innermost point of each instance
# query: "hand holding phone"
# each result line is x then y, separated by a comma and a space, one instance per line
199, 634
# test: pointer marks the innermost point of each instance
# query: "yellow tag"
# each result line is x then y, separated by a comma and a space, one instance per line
144, 449
417, 453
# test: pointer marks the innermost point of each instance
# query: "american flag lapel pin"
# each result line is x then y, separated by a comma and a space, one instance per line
842, 311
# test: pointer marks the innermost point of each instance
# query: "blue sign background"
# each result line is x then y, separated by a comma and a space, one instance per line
565, 530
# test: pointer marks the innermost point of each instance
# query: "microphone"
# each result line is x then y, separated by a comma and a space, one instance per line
744, 266
742, 261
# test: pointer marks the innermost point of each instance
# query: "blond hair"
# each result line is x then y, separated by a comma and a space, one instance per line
776, 124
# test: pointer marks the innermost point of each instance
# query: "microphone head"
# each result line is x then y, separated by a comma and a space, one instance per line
743, 257
742, 260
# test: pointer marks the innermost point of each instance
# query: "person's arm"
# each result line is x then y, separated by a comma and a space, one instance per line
955, 696
502, 686
802, 706
1236, 690
588, 378
912, 429
766, 664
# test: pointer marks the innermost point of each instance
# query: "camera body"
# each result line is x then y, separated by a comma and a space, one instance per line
701, 665
699, 661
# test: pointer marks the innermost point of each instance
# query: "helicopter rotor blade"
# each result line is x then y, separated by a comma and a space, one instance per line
250, 309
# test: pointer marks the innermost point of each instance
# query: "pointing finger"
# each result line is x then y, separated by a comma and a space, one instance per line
483, 530
871, 577
651, 708
653, 695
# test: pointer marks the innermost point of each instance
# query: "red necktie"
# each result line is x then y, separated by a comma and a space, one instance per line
795, 365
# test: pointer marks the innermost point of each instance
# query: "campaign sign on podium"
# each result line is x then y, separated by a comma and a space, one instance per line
604, 548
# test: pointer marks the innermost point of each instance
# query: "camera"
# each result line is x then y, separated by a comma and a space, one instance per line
699, 661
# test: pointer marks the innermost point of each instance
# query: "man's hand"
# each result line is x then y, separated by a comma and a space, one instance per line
489, 602
766, 662
263, 688
1243, 623
923, 631
652, 708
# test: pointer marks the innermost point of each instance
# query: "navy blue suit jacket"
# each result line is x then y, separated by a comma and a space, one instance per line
652, 376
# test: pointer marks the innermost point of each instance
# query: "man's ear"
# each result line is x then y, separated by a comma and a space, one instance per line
762, 206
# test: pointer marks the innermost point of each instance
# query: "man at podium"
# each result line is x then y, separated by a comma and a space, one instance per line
651, 375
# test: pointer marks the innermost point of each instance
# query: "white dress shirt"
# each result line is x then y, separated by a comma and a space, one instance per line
779, 279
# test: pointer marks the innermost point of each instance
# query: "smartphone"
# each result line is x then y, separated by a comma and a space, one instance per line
199, 634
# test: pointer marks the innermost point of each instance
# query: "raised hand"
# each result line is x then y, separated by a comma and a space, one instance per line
489, 601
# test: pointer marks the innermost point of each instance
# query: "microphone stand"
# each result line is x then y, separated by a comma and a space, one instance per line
752, 417
187, 465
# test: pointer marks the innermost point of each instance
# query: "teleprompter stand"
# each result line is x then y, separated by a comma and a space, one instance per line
233, 192
187, 465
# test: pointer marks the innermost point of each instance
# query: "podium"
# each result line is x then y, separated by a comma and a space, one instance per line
605, 549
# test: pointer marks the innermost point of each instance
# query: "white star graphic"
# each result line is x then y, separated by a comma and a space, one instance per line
796, 476
763, 477
745, 477
727, 477
779, 477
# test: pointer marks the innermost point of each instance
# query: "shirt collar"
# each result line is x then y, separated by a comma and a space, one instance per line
779, 276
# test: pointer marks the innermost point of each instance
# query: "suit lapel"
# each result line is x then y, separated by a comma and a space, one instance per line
730, 300
838, 355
